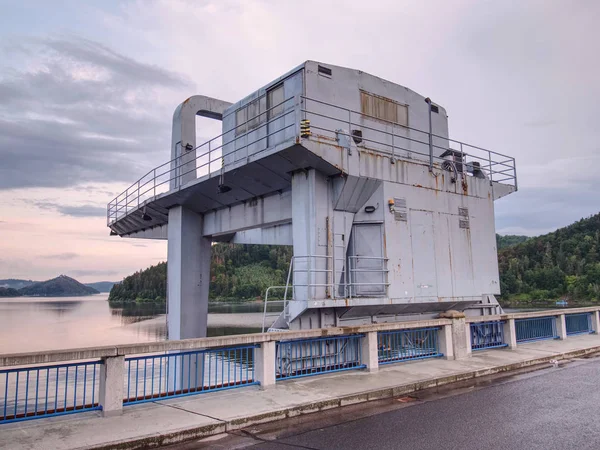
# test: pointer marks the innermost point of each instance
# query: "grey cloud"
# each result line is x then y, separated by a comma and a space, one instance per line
62, 256
70, 210
88, 114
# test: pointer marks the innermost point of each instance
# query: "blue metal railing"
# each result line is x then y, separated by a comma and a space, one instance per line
405, 345
579, 323
487, 335
536, 329
34, 392
152, 377
306, 357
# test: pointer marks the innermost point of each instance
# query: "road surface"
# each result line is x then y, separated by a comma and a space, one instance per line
554, 408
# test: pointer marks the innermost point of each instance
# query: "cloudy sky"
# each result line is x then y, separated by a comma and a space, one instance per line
88, 88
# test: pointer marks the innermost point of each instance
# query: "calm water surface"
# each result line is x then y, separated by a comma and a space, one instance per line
29, 324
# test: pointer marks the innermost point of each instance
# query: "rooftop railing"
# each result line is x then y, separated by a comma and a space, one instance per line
281, 123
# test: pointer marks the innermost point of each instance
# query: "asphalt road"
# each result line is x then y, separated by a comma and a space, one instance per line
555, 408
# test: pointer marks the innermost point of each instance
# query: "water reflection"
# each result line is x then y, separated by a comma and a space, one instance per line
44, 324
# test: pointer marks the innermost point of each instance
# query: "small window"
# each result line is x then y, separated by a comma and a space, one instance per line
240, 121
275, 101
324, 71
383, 108
435, 109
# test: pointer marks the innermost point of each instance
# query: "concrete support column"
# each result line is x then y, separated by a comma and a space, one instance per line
510, 334
561, 326
370, 352
445, 342
264, 364
111, 389
188, 275
596, 322
310, 209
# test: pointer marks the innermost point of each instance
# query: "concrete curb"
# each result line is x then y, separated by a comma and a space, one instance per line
158, 440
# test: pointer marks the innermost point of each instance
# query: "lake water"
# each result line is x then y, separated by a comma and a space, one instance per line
29, 324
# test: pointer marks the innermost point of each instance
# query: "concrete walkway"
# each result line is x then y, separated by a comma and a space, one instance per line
175, 420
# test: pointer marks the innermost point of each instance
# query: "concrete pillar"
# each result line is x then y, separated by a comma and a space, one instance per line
188, 275
370, 351
510, 334
264, 364
561, 326
461, 333
596, 322
310, 207
445, 342
111, 389
461, 338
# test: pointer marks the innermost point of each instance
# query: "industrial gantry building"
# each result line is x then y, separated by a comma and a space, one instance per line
387, 215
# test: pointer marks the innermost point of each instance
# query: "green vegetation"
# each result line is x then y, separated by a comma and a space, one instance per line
238, 272
563, 263
509, 240
9, 292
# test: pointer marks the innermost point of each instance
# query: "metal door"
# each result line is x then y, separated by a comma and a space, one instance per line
366, 262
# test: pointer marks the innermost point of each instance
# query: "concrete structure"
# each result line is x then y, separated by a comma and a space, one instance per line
168, 421
386, 214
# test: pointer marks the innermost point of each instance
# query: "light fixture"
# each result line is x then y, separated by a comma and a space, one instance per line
189, 147
369, 209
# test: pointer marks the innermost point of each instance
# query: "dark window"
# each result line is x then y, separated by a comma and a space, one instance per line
435, 109
325, 71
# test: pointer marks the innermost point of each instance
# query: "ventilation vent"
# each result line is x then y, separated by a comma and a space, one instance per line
463, 224
400, 212
435, 109
463, 212
325, 71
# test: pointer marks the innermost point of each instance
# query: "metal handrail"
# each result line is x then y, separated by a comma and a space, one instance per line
133, 196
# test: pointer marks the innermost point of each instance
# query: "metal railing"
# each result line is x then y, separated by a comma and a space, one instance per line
579, 323
209, 158
320, 271
397, 141
306, 357
327, 121
53, 390
153, 377
406, 345
536, 329
487, 335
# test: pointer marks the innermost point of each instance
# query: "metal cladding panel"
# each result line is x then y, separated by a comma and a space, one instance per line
257, 109
366, 244
345, 87
423, 247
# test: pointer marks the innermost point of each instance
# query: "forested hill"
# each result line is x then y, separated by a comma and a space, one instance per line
565, 262
237, 272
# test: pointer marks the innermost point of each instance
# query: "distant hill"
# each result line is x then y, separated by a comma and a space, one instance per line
15, 284
509, 240
61, 286
565, 262
101, 286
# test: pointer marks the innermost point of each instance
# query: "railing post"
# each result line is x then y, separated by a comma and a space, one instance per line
264, 364
461, 334
595, 322
445, 342
112, 372
561, 326
510, 333
369, 351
